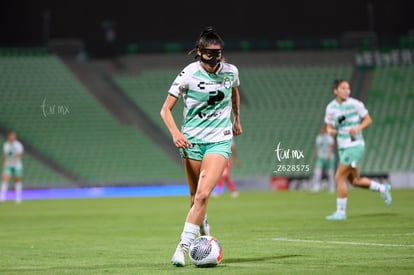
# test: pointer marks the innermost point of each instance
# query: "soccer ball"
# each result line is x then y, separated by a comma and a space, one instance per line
205, 251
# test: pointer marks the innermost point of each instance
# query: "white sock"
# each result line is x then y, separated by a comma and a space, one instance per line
188, 235
205, 221
317, 175
205, 227
3, 190
341, 205
18, 186
376, 186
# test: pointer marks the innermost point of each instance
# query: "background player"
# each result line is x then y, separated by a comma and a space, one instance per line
325, 160
12, 167
345, 118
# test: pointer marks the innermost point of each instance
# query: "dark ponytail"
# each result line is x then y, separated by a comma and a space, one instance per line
208, 36
338, 82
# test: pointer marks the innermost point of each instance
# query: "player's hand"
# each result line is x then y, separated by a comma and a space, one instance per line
353, 131
237, 129
180, 141
332, 132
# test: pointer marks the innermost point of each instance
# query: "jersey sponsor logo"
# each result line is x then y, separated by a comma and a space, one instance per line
341, 119
215, 96
204, 115
202, 84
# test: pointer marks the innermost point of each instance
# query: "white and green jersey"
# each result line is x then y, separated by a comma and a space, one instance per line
343, 117
324, 143
11, 150
207, 101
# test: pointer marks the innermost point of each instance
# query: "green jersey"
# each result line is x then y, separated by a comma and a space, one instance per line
344, 117
11, 150
207, 101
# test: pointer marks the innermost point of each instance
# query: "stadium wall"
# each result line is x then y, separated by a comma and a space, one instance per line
108, 28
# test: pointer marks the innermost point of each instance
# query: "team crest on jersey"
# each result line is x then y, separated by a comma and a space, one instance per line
227, 83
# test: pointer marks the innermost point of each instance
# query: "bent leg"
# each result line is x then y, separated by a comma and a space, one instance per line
211, 170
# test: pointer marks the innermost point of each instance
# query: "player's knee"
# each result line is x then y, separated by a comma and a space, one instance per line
201, 196
338, 178
355, 182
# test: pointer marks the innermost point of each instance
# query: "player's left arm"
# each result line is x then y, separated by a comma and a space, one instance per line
366, 121
19, 153
235, 102
366, 118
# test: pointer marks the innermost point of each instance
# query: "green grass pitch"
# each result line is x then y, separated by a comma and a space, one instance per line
261, 233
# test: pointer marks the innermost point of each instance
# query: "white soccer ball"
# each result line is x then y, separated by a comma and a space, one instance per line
205, 251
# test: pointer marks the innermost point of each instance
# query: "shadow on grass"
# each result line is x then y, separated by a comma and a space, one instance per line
77, 269
374, 215
257, 259
110, 267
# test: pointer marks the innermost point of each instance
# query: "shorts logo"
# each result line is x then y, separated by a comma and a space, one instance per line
227, 132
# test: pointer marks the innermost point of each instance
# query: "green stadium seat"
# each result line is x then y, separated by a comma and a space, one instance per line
87, 141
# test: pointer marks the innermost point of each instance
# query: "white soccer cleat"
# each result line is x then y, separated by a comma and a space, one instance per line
205, 228
386, 195
336, 217
178, 258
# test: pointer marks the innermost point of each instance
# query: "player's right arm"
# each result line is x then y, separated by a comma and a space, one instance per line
331, 130
180, 141
329, 120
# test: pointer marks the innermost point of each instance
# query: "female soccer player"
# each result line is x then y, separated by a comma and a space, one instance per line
209, 89
12, 167
325, 160
345, 118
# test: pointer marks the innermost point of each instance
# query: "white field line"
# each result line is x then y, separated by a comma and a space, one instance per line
371, 235
340, 242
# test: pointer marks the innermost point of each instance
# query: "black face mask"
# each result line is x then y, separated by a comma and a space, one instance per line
214, 60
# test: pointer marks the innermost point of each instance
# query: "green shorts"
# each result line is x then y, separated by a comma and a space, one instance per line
326, 163
351, 155
15, 172
199, 150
